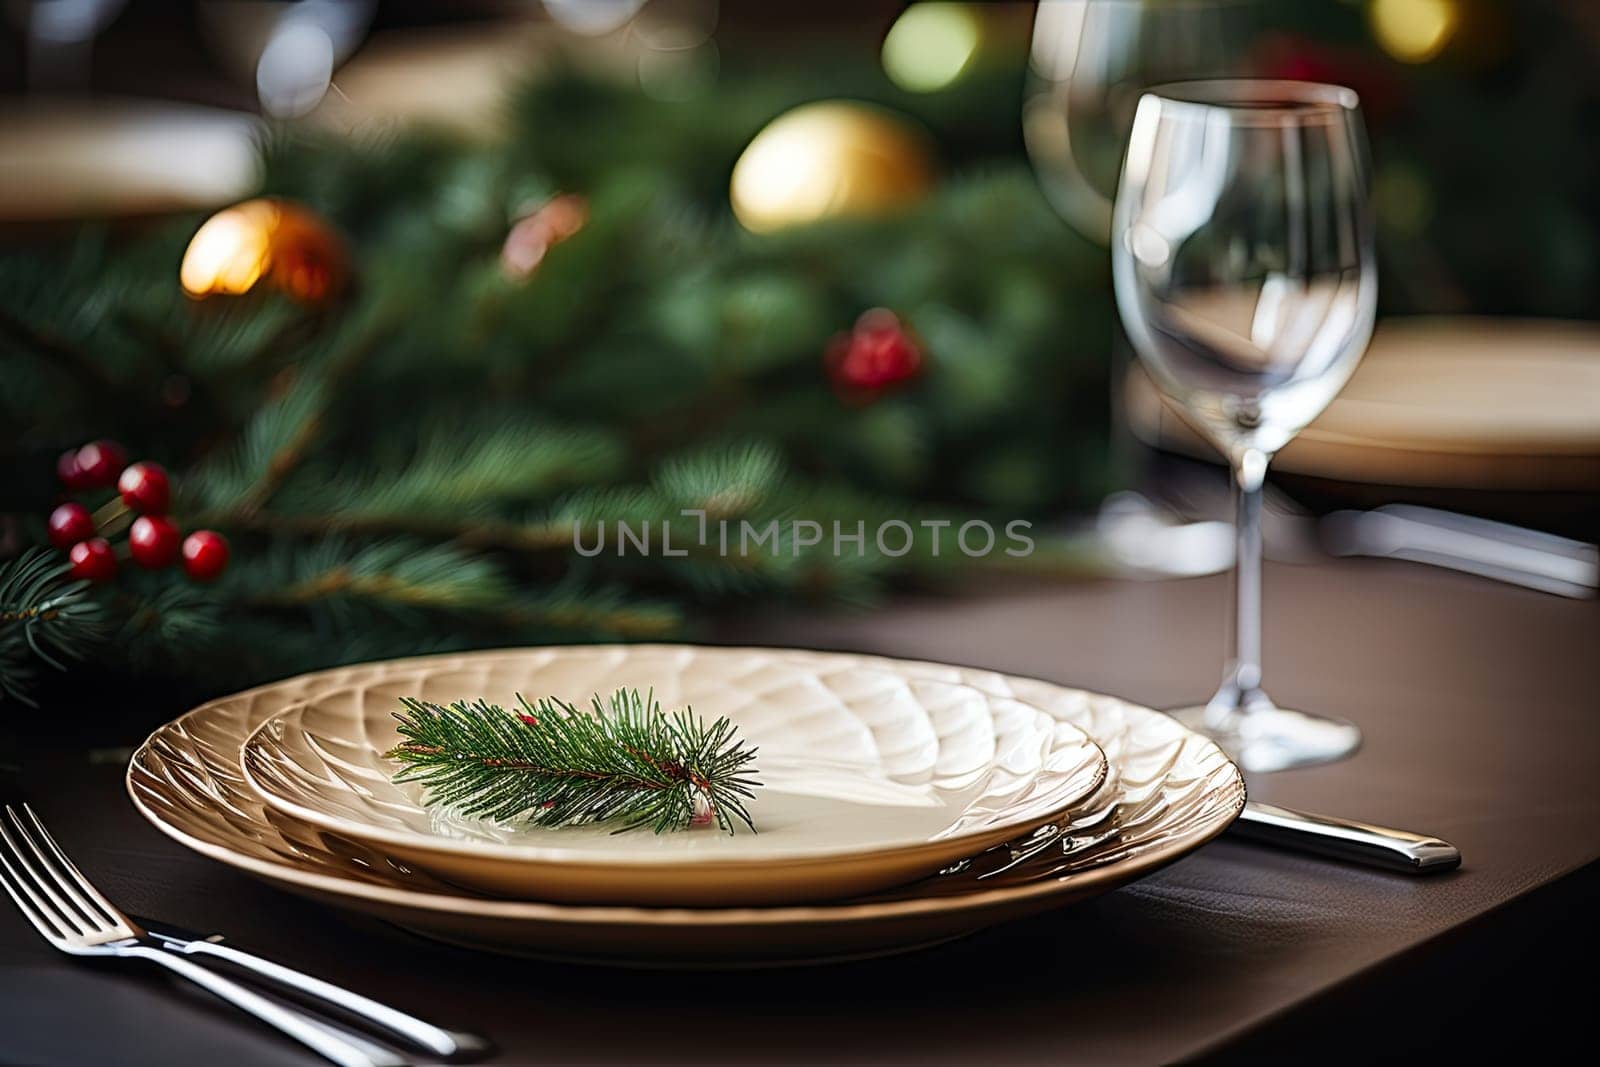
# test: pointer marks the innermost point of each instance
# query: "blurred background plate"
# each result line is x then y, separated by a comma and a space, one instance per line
118, 158
1449, 403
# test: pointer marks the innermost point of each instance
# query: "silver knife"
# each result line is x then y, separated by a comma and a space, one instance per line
446, 1044
1346, 839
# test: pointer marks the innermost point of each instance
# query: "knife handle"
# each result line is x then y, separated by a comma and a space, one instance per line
1346, 839
447, 1044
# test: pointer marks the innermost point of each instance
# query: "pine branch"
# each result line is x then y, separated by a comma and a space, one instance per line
412, 585
468, 467
552, 764
168, 624
56, 349
533, 536
724, 483
397, 576
660, 360
42, 619
242, 341
602, 612
229, 484
282, 435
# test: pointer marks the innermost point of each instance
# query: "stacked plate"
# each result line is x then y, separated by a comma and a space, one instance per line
902, 804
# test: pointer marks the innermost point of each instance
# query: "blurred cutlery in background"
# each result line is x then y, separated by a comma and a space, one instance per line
1461, 542
1152, 540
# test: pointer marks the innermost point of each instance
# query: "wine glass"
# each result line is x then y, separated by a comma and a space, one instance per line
1242, 255
1088, 63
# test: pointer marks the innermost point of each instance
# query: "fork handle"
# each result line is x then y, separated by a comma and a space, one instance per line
448, 1044
313, 1035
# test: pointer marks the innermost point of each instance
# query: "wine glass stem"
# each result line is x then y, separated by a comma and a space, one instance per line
1244, 672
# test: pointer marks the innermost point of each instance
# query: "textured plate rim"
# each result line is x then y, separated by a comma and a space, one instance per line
949, 847
1119, 872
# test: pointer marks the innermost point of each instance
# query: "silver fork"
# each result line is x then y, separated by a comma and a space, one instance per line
74, 917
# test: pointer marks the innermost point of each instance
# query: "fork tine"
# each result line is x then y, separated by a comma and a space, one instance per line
40, 880
75, 882
44, 879
35, 910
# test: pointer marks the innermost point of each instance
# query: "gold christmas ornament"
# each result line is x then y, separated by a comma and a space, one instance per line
830, 159
265, 241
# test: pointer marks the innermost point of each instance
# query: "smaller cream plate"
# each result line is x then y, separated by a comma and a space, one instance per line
869, 779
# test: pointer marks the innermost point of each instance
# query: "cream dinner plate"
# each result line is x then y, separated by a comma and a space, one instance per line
869, 777
1167, 792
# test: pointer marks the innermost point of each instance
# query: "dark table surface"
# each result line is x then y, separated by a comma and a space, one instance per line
1481, 709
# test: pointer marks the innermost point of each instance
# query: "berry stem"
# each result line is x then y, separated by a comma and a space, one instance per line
112, 517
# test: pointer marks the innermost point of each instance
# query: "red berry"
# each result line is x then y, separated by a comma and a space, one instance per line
153, 541
99, 462
144, 488
205, 555
68, 471
69, 524
92, 560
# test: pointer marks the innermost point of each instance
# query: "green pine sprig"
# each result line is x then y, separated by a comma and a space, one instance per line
554, 764
45, 617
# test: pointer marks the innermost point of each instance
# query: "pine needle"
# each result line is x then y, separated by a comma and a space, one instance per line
553, 764
43, 619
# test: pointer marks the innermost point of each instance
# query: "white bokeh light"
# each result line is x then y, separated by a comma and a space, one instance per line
592, 18
295, 69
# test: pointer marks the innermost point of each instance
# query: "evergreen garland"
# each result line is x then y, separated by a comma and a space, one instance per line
404, 472
553, 764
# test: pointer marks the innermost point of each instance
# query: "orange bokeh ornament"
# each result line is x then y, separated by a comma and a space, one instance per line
266, 242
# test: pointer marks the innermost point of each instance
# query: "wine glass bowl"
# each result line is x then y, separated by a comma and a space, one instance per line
1242, 255
1088, 63
1245, 268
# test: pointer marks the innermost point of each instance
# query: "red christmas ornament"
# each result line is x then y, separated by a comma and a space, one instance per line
876, 355
153, 541
98, 464
145, 489
205, 555
92, 560
69, 524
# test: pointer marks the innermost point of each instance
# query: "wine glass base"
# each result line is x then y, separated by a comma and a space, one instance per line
1273, 738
